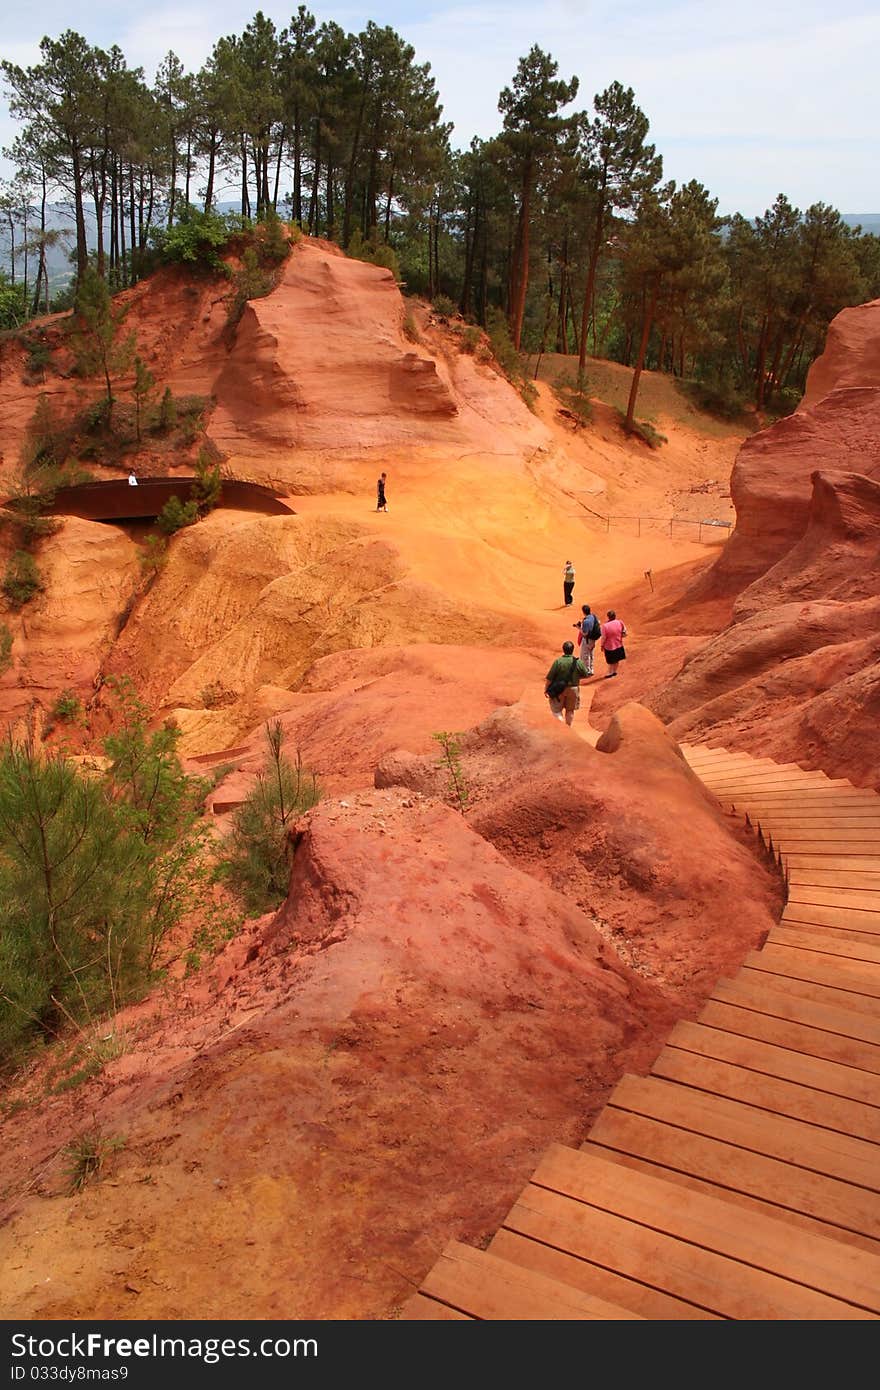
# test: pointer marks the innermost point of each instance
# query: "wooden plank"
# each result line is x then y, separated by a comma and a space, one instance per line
797, 1037
837, 849
769, 781
837, 917
853, 899
799, 1102
834, 879
818, 826
791, 835
837, 1204
486, 1287
702, 1277
798, 1002
570, 1269
793, 1142
766, 1060
817, 801
830, 862
747, 1201
818, 796
827, 1266
824, 970
842, 999
815, 930
421, 1309
849, 946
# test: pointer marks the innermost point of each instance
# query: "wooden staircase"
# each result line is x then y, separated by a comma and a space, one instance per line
741, 1179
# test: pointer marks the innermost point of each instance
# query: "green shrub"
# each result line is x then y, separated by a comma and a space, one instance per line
195, 240
48, 438
208, 485
251, 281
87, 1157
273, 246
5, 648
718, 393
574, 397
39, 357
471, 339
410, 329
167, 411
444, 306
175, 515
94, 872
256, 859
375, 252
643, 429
67, 707
22, 580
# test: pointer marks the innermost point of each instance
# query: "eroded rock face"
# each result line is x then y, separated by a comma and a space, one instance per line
795, 676
60, 638
322, 362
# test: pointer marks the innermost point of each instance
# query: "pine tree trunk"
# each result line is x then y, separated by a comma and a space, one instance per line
521, 257
82, 249
589, 291
647, 325
212, 160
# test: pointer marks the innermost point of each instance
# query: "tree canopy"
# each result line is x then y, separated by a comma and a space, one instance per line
562, 221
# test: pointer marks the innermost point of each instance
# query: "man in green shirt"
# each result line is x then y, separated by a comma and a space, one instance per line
562, 682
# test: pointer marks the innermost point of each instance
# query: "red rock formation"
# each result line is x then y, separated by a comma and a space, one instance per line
796, 673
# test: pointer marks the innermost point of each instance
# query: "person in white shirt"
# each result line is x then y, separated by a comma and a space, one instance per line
132, 479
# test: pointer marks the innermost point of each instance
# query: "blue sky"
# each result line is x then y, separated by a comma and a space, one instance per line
750, 98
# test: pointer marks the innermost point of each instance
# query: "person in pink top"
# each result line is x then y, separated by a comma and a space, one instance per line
613, 633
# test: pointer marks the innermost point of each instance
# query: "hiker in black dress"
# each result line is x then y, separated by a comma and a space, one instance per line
381, 504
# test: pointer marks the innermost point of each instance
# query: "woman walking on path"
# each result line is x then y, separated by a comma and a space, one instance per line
568, 581
613, 633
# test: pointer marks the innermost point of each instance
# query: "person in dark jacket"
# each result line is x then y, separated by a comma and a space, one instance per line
564, 678
381, 504
589, 631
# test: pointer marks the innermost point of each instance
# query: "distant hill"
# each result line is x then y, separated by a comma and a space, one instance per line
868, 221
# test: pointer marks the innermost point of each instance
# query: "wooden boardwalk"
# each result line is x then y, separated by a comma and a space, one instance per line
741, 1179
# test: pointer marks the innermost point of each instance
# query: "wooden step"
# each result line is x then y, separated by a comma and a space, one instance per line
796, 834
811, 989
783, 1030
793, 1142
421, 1309
832, 860
838, 918
707, 1280
550, 1255
809, 879
798, 1001
858, 979
791, 851
851, 899
481, 1285
770, 1096
816, 826
812, 1200
714, 1225
771, 779
761, 1065
849, 946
